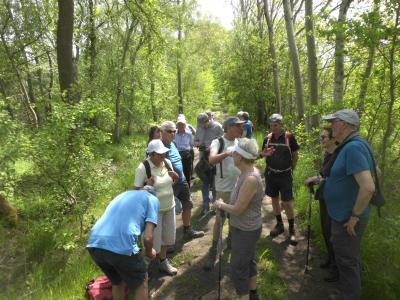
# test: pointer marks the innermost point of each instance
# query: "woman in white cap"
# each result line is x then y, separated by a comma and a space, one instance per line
245, 218
157, 171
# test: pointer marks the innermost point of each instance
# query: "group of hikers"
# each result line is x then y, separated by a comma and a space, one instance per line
141, 223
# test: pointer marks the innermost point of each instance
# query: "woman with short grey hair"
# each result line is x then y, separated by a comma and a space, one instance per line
245, 218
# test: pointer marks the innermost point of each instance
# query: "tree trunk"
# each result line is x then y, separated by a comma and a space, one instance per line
92, 49
272, 51
116, 134
294, 59
65, 25
179, 58
392, 87
339, 54
312, 61
368, 68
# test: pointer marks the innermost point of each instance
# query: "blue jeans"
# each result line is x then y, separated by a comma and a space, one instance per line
205, 192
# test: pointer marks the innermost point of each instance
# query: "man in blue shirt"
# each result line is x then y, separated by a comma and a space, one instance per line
347, 192
181, 187
113, 241
184, 142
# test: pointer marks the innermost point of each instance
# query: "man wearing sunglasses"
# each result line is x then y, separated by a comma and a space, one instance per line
181, 187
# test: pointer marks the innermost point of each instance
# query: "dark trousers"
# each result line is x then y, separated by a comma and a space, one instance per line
326, 229
187, 164
348, 258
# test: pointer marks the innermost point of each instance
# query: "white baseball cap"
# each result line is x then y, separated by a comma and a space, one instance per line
157, 146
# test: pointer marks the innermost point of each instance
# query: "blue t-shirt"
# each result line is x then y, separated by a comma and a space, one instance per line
123, 221
176, 160
248, 128
341, 188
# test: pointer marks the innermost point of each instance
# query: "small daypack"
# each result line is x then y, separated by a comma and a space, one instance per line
100, 289
204, 170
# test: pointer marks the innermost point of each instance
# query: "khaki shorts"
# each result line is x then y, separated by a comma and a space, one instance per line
165, 231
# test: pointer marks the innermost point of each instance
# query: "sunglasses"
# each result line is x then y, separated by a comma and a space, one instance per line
171, 131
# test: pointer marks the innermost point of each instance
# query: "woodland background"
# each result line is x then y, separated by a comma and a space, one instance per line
82, 81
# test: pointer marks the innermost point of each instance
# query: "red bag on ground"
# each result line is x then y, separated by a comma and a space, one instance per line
99, 289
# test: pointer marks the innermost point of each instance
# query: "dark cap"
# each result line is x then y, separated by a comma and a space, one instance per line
202, 118
230, 121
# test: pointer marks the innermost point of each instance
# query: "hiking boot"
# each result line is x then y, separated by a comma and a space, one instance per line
166, 267
292, 237
278, 229
190, 234
171, 249
211, 259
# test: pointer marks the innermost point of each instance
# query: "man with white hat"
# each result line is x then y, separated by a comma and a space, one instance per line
184, 142
347, 191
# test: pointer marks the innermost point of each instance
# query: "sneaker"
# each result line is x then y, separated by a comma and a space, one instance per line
292, 237
166, 267
279, 229
193, 234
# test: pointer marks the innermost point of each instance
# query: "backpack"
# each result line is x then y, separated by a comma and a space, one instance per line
100, 289
288, 136
148, 169
204, 170
377, 198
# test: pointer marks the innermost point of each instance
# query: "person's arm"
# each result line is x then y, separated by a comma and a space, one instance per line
366, 190
140, 177
148, 240
214, 157
246, 193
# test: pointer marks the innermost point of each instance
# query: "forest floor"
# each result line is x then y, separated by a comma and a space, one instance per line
192, 282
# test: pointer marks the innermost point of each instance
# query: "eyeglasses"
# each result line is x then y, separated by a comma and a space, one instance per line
171, 131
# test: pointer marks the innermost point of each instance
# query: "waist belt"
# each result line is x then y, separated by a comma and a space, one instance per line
279, 171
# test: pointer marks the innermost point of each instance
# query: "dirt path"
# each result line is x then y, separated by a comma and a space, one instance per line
192, 282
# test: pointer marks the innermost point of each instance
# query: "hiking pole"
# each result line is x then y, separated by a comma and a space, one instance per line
219, 249
311, 189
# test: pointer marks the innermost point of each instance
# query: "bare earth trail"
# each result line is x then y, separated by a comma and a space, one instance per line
192, 282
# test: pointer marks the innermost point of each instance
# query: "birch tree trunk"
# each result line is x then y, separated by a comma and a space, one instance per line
312, 61
294, 56
272, 51
339, 54
368, 69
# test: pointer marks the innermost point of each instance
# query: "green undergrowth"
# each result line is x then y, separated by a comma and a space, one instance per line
50, 257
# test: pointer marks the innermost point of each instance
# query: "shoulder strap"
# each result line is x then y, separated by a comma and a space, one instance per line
167, 165
147, 168
220, 149
269, 137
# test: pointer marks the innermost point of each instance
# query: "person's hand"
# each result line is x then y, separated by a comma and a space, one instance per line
228, 153
350, 225
151, 255
173, 175
150, 181
268, 151
311, 181
217, 204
